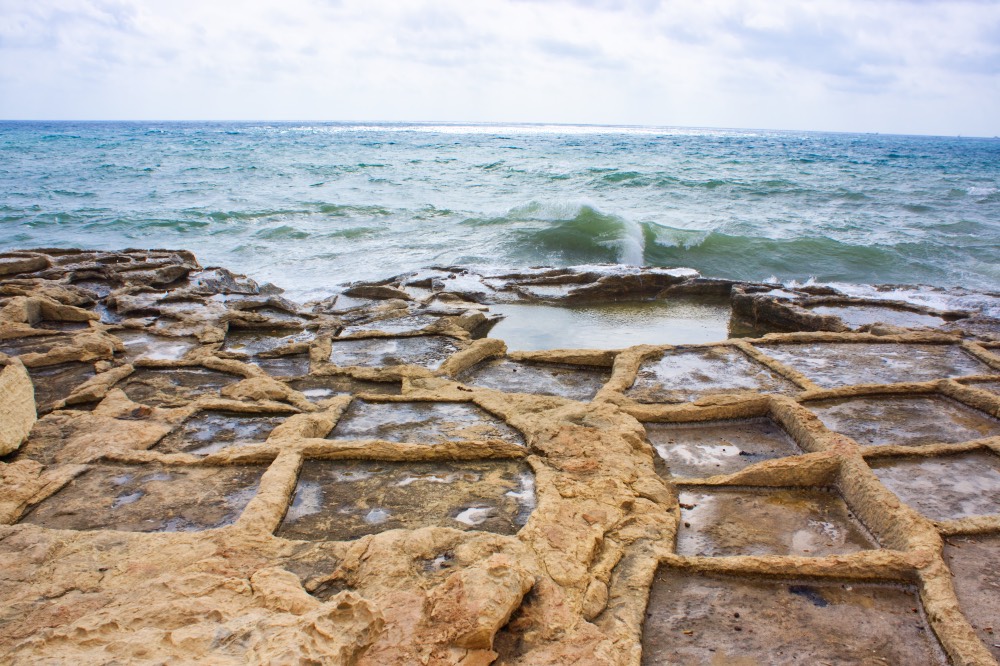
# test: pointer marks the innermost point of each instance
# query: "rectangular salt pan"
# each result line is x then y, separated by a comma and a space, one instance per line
566, 381
972, 560
708, 448
683, 375
727, 522
209, 432
150, 498
904, 420
421, 422
695, 619
337, 501
945, 487
842, 363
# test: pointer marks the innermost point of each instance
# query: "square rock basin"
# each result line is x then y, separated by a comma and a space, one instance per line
857, 316
208, 432
159, 387
707, 448
321, 387
721, 522
257, 341
683, 375
428, 351
614, 325
140, 344
337, 501
973, 561
288, 365
831, 364
55, 382
904, 420
574, 382
944, 487
695, 619
149, 498
422, 422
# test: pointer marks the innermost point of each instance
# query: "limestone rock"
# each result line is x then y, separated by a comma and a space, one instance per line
17, 406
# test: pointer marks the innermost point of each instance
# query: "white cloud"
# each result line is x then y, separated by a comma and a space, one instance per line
864, 65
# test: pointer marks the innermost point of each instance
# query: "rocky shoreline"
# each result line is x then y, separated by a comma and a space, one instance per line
197, 469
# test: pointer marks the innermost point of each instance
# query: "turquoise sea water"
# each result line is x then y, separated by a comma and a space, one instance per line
311, 205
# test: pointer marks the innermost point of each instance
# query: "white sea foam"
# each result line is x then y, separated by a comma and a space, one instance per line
935, 299
474, 516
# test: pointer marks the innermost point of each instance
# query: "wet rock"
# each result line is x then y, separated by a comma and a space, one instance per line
337, 501
321, 388
255, 342
560, 379
682, 375
148, 498
947, 487
145, 345
35, 344
836, 364
55, 383
701, 618
425, 351
728, 522
905, 420
719, 447
421, 422
175, 386
209, 432
977, 583
215, 280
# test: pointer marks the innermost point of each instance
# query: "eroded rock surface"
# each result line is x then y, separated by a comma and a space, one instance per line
218, 475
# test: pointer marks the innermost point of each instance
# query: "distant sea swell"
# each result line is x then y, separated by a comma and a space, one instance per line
308, 206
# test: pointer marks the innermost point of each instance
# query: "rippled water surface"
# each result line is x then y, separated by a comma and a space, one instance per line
309, 206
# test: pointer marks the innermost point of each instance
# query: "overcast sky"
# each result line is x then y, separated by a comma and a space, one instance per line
914, 66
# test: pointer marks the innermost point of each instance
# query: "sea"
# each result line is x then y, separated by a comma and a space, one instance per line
310, 206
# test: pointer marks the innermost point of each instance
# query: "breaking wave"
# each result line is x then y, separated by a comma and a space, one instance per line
569, 233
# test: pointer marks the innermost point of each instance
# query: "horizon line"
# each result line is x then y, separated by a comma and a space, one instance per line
492, 123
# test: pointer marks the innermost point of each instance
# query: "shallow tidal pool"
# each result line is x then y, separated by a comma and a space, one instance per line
613, 325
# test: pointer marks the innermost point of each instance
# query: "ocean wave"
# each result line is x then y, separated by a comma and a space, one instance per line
352, 234
980, 191
344, 210
249, 215
743, 204
283, 232
569, 232
753, 257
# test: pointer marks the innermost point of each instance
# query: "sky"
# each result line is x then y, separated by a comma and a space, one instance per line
905, 66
